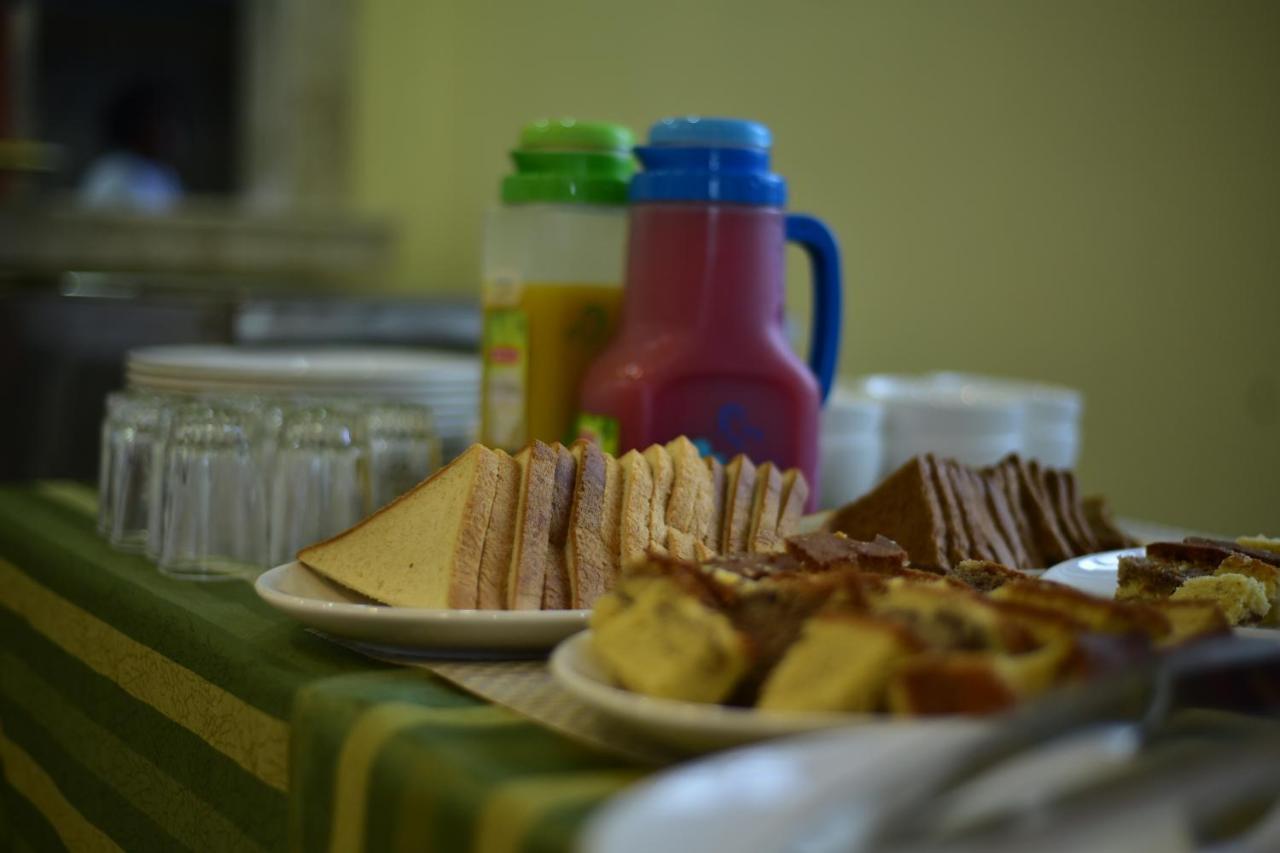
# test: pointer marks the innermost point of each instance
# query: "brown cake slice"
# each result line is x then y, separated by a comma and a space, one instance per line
1012, 522
1105, 532
904, 507
556, 591
1048, 539
1055, 488
984, 575
977, 520
1145, 579
1205, 553
950, 683
1266, 555
1076, 508
958, 545
825, 551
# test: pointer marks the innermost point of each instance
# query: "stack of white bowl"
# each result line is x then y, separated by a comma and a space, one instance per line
973, 419
447, 383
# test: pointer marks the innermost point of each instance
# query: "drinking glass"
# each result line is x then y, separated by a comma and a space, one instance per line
403, 449
134, 423
214, 510
320, 483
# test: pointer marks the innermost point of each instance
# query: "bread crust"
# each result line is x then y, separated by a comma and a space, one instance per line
499, 537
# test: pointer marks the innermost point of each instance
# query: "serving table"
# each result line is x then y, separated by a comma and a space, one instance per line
139, 712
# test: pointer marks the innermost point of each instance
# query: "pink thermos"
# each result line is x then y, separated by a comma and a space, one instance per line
701, 349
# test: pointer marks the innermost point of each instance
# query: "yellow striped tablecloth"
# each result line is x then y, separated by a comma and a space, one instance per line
143, 713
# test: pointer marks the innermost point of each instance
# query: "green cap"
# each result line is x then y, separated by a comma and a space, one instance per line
564, 160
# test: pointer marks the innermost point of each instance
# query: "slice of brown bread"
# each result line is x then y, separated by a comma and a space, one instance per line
1007, 483
1055, 486
1044, 522
499, 537
762, 532
972, 514
740, 490
556, 591
637, 494
905, 508
687, 490
526, 578
593, 525
997, 534
423, 549
1048, 540
664, 473
1102, 524
958, 545
1076, 508
715, 530
795, 494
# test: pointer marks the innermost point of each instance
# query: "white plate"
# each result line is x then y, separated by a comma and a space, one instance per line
1092, 573
318, 603
693, 726
329, 364
821, 792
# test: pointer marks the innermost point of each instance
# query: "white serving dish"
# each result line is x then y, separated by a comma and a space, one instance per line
325, 606
693, 726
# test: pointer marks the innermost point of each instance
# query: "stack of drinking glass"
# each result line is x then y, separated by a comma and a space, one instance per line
220, 486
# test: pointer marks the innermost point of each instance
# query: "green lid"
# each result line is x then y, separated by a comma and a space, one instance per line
571, 161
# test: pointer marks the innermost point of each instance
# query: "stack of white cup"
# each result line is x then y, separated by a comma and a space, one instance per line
874, 424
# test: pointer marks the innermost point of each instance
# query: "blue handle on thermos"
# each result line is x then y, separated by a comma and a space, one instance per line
824, 264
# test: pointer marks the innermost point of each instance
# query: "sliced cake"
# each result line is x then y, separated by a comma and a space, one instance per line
424, 548
499, 537
905, 508
557, 592
637, 497
526, 577
740, 489
663, 471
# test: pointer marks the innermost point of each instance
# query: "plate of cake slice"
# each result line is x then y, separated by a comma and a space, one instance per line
1241, 576
830, 631
501, 551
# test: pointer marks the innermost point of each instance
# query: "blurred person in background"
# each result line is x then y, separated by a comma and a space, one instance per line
136, 170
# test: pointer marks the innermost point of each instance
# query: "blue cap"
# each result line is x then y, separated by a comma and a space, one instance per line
721, 160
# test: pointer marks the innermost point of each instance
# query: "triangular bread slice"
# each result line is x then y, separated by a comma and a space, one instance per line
1044, 526
593, 525
971, 513
1007, 480
739, 492
423, 549
906, 509
762, 532
1059, 492
664, 473
959, 548
556, 593
715, 529
1076, 509
526, 577
689, 509
795, 494
499, 537
637, 495
993, 527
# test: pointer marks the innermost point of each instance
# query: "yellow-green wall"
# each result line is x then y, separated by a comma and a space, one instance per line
1085, 192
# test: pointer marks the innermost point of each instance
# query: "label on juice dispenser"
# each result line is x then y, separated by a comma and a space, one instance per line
598, 429
506, 360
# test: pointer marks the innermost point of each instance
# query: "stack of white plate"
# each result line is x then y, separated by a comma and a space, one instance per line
447, 383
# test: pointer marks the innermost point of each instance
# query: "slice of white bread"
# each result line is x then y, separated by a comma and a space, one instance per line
663, 479
526, 576
637, 494
689, 510
740, 489
762, 532
423, 549
715, 529
556, 592
795, 494
499, 537
592, 546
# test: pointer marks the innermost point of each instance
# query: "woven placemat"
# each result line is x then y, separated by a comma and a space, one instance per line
527, 688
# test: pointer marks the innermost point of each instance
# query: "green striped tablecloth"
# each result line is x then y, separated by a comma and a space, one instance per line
143, 713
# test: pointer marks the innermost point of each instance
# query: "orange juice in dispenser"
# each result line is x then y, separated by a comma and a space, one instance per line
552, 273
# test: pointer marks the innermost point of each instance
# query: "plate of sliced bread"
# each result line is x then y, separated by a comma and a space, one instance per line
835, 631
508, 551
